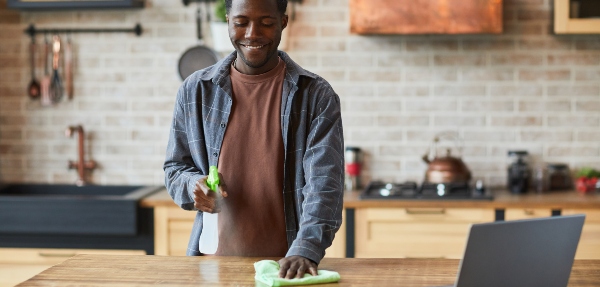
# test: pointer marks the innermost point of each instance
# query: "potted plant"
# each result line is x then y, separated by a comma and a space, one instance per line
587, 179
218, 28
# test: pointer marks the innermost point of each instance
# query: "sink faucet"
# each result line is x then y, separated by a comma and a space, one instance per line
80, 165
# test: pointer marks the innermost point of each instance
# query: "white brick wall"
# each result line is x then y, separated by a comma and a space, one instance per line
524, 89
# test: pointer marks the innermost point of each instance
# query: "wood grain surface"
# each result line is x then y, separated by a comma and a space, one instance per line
137, 270
425, 16
502, 199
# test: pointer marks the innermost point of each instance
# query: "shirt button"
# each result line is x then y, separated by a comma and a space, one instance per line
215, 154
222, 125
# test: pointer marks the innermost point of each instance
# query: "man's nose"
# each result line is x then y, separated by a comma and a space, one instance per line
253, 31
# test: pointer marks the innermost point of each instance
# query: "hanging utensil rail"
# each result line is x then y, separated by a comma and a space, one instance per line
32, 30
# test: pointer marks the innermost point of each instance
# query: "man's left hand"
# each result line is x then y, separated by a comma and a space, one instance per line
295, 267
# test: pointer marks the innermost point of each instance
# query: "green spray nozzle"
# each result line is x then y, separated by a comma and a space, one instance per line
213, 178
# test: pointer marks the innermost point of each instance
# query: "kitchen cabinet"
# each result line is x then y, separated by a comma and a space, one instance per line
172, 229
415, 232
589, 243
564, 24
425, 17
20, 264
173, 226
526, 213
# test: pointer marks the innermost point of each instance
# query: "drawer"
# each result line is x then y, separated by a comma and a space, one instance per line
415, 233
526, 213
591, 215
53, 255
469, 215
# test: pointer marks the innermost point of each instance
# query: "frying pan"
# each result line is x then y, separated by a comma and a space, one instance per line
197, 57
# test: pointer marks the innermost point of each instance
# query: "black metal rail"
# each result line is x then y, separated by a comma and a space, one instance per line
32, 30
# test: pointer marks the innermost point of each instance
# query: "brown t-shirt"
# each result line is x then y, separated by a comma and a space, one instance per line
251, 221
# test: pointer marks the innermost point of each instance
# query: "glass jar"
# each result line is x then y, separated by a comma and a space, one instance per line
559, 176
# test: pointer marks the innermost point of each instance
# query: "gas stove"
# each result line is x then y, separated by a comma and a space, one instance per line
426, 191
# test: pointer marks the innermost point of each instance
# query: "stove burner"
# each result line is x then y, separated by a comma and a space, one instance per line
410, 190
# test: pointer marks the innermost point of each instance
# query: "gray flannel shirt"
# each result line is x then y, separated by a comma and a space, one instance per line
311, 127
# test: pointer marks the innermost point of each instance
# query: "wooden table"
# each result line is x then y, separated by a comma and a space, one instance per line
144, 270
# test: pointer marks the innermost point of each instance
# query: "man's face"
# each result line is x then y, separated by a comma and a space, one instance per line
255, 31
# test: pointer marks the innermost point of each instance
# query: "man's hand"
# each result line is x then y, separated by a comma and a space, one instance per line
206, 200
295, 267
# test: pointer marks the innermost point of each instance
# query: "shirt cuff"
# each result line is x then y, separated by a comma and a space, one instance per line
306, 250
192, 185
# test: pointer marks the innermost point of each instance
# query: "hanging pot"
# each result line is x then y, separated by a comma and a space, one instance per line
445, 169
197, 57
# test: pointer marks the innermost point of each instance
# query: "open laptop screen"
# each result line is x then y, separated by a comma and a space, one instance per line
530, 252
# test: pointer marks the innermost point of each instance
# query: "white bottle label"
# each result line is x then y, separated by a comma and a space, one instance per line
209, 238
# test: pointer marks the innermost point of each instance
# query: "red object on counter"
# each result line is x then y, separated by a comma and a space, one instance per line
353, 168
584, 184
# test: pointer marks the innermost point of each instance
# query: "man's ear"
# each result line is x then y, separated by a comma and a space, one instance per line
284, 21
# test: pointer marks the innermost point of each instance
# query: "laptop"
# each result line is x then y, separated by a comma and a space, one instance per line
528, 253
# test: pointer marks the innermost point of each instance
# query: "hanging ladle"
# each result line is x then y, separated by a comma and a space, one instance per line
56, 88
33, 90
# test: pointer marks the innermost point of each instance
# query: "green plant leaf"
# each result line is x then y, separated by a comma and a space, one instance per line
220, 10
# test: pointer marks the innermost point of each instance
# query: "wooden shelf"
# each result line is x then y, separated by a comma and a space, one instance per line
563, 24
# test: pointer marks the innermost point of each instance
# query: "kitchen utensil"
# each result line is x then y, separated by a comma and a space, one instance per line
445, 169
68, 69
353, 159
33, 90
56, 88
46, 79
197, 57
519, 172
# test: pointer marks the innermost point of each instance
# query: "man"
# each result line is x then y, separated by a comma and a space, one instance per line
275, 132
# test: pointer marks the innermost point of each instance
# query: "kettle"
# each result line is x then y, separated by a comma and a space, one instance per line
446, 169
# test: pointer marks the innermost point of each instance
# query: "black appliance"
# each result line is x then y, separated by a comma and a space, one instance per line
427, 191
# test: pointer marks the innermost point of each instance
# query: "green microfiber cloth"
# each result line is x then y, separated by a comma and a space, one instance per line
267, 272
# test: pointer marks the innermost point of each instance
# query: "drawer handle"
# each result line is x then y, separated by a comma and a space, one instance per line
426, 211
529, 212
45, 254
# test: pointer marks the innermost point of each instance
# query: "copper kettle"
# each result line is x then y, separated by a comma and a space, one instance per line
445, 169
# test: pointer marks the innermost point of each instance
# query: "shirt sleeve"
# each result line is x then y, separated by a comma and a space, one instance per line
181, 174
323, 192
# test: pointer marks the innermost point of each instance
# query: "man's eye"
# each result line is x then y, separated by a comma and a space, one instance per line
239, 24
268, 23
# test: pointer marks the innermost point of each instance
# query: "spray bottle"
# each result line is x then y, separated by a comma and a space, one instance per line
209, 238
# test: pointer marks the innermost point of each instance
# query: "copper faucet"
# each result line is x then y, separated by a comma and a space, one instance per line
80, 165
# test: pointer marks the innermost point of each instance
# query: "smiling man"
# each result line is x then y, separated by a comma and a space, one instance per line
275, 132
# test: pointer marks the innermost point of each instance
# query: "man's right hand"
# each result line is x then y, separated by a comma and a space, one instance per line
205, 199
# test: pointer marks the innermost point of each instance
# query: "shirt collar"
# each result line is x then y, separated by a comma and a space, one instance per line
220, 70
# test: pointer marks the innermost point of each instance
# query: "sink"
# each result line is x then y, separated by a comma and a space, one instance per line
70, 210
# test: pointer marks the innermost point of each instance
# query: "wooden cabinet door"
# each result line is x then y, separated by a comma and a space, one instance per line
415, 232
589, 243
172, 229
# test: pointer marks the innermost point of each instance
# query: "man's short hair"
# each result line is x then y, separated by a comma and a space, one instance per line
281, 5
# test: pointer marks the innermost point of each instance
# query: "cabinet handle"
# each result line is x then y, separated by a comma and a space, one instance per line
45, 254
425, 257
529, 212
425, 211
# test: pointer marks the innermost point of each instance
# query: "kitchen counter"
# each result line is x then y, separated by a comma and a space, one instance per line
502, 199
145, 270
